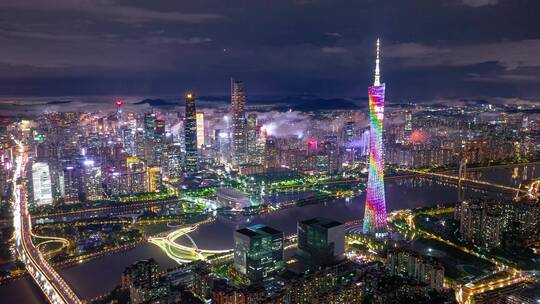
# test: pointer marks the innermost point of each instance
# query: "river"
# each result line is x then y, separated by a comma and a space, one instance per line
96, 277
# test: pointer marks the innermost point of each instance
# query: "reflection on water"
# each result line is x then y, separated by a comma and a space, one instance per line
21, 291
99, 276
512, 175
400, 194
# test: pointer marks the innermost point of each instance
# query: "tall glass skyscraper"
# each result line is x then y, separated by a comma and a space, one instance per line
238, 109
190, 134
375, 214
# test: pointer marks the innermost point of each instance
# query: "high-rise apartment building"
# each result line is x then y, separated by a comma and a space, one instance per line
481, 223
406, 263
190, 135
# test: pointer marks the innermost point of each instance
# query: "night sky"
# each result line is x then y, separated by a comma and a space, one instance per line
432, 49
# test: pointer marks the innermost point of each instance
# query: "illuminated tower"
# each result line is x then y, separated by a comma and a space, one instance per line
375, 214
190, 134
238, 109
119, 104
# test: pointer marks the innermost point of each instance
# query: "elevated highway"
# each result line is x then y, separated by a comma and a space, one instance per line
55, 289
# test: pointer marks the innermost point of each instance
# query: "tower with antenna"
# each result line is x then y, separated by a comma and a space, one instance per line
119, 103
375, 217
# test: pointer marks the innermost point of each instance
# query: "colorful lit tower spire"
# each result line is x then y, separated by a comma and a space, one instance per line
375, 214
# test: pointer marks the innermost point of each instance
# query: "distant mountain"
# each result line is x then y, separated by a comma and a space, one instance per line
58, 102
304, 104
157, 103
473, 102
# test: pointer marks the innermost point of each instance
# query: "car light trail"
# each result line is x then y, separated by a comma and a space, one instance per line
49, 281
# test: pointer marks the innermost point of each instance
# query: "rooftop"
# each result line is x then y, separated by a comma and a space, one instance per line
259, 229
322, 222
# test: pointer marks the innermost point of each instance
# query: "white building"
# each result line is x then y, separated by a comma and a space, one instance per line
42, 184
199, 118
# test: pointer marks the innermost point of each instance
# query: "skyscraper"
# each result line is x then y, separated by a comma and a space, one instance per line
375, 212
149, 125
41, 180
321, 241
190, 130
200, 130
91, 180
258, 251
252, 156
238, 109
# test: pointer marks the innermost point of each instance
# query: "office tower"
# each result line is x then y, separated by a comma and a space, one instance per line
270, 153
258, 251
321, 241
200, 130
253, 156
140, 143
119, 103
136, 171
71, 184
91, 180
261, 144
311, 147
375, 212
41, 184
128, 141
174, 160
348, 138
331, 149
349, 131
238, 109
154, 179
157, 144
149, 125
190, 135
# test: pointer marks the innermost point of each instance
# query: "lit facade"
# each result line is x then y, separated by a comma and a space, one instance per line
238, 109
92, 181
190, 134
200, 129
42, 184
154, 179
375, 212
253, 155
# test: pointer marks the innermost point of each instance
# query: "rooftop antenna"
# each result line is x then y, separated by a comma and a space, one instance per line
377, 81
